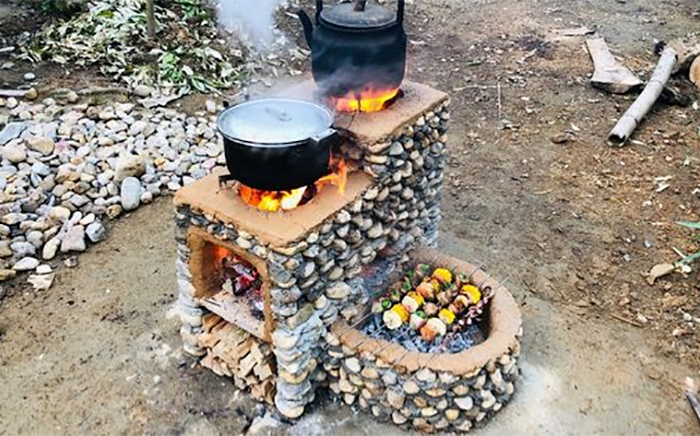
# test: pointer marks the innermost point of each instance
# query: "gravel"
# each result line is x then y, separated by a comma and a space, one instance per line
66, 169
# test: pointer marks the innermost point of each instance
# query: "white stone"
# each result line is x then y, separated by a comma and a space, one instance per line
26, 264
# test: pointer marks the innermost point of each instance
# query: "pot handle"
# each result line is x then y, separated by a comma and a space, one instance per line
321, 139
319, 8
400, 12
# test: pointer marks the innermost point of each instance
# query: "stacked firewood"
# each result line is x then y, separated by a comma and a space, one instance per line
431, 302
235, 353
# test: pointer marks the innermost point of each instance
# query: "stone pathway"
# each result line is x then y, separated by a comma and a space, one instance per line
65, 169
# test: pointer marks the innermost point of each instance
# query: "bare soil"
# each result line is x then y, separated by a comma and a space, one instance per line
572, 226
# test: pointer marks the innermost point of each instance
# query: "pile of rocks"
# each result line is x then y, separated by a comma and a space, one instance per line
64, 169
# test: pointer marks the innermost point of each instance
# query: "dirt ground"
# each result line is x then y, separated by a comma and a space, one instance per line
571, 226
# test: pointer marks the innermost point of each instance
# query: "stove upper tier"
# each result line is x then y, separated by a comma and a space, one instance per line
366, 129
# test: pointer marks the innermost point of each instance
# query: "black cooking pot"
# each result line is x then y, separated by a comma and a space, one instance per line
277, 144
355, 47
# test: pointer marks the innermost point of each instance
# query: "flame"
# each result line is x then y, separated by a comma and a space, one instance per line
368, 100
273, 201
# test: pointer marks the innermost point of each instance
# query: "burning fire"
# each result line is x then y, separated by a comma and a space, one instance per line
368, 100
272, 201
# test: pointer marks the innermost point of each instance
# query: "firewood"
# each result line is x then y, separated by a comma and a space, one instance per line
609, 75
246, 366
244, 348
264, 369
209, 321
695, 72
691, 393
641, 106
207, 340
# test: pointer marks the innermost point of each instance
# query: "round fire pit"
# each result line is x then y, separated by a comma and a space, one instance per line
431, 391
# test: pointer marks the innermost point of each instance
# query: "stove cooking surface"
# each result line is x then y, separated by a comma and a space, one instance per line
276, 228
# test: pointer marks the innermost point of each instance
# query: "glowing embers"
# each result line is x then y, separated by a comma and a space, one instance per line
241, 280
273, 201
367, 100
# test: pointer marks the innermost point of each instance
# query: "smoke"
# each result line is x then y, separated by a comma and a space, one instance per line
252, 20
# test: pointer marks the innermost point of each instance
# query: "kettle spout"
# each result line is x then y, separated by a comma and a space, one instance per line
308, 26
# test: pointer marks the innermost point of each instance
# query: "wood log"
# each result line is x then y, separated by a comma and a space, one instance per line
695, 72
641, 106
151, 19
209, 321
207, 340
246, 366
264, 369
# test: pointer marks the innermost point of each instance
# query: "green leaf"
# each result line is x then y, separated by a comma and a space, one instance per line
689, 224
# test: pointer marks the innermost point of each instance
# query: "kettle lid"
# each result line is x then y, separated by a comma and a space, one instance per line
349, 16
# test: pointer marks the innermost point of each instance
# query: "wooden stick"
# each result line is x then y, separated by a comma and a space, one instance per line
691, 392
641, 106
17, 93
151, 19
628, 321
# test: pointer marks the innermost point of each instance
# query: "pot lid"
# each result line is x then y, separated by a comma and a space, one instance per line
270, 121
372, 17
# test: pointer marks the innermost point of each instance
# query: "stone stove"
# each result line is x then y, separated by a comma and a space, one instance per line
313, 260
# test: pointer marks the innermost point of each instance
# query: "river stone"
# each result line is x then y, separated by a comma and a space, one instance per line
23, 249
395, 399
50, 248
464, 403
353, 365
79, 200
129, 165
5, 250
11, 131
26, 264
461, 390
370, 373
426, 375
95, 232
12, 219
44, 269
60, 214
301, 316
130, 193
452, 414
142, 91
428, 412
411, 387
284, 340
41, 144
74, 240
338, 291
7, 274
15, 153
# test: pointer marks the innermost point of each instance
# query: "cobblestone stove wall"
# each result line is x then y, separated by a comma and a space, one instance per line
430, 392
315, 279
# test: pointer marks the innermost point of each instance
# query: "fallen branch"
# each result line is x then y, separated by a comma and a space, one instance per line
609, 75
16, 93
628, 321
691, 393
641, 106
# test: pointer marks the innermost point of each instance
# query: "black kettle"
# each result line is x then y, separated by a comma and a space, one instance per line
356, 47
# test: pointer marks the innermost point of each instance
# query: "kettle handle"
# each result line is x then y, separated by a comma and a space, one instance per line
400, 12
319, 8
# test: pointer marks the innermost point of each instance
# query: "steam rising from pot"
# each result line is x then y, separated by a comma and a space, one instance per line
252, 20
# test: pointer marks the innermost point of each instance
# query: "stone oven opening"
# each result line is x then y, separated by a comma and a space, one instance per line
231, 283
